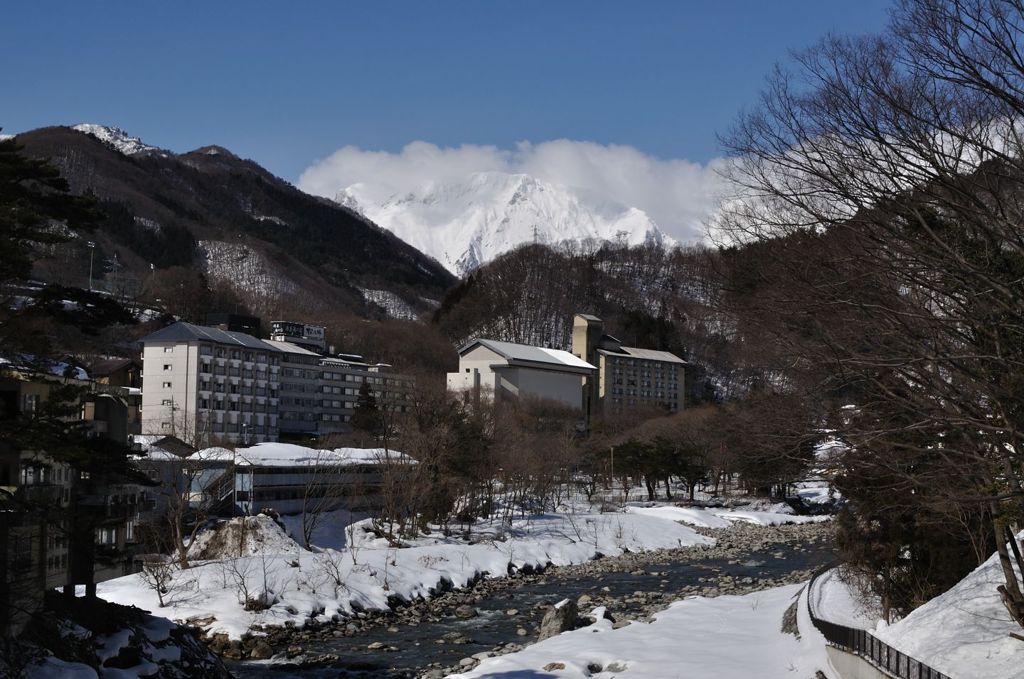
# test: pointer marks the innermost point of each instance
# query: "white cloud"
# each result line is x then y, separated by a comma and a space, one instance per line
678, 194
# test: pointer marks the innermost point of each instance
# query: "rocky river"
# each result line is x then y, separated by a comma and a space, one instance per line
453, 631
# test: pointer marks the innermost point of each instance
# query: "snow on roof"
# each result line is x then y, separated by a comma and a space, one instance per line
530, 354
291, 455
30, 363
290, 348
644, 354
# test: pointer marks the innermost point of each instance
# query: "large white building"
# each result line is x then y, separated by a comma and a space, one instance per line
507, 369
205, 385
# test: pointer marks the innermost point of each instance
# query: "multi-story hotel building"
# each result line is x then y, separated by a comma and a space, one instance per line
205, 385
627, 377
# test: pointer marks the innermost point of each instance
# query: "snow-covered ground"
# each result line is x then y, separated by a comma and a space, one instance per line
727, 637
142, 647
836, 601
964, 632
722, 518
353, 568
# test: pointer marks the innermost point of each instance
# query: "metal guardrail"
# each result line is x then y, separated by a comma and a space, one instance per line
860, 642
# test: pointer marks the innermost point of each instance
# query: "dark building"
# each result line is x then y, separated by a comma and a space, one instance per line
250, 325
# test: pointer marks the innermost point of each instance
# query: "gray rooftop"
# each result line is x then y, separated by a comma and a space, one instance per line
644, 354
187, 332
531, 354
290, 348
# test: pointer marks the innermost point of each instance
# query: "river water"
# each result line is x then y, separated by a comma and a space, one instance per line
410, 650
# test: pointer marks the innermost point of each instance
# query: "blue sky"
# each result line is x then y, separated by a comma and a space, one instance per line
289, 83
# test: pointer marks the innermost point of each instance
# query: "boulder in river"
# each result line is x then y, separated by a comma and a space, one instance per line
561, 617
465, 611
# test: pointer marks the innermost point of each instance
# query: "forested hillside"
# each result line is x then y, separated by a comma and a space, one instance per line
648, 296
250, 234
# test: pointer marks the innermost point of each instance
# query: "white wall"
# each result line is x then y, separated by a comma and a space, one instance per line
182, 361
475, 372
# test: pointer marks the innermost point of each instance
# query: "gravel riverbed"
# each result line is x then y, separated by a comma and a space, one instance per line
454, 630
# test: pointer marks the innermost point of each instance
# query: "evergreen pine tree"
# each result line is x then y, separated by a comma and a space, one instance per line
366, 414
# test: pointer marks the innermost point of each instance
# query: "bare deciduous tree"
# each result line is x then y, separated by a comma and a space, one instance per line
879, 208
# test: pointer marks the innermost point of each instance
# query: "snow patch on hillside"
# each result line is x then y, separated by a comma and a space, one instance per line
148, 224
270, 218
468, 223
247, 271
395, 306
116, 137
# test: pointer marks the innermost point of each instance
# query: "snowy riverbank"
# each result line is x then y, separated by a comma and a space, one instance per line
365, 573
728, 637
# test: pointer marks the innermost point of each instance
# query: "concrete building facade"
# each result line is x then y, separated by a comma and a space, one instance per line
627, 378
205, 385
505, 369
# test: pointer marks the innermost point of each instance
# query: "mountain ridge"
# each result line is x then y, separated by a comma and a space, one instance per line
166, 209
464, 224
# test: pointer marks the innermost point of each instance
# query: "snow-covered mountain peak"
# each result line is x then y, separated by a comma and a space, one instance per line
466, 223
117, 138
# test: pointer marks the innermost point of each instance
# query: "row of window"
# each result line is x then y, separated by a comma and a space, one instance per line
236, 354
243, 389
234, 406
248, 373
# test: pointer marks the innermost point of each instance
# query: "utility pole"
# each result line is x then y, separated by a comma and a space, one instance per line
174, 408
92, 252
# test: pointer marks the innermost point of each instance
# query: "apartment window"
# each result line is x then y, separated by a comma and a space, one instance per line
204, 403
166, 402
166, 385
106, 536
165, 425
168, 350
